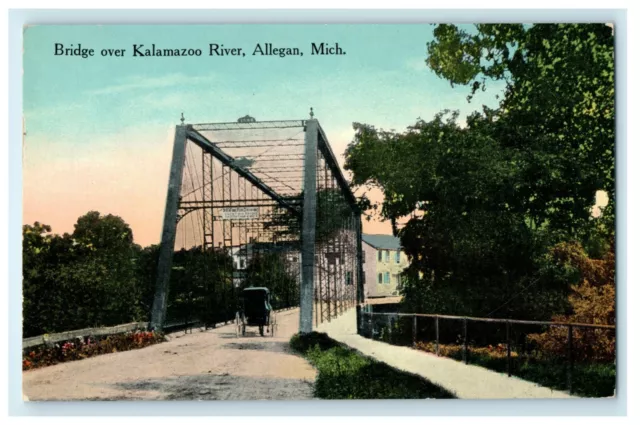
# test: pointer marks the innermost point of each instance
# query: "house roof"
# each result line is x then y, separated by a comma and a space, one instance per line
382, 241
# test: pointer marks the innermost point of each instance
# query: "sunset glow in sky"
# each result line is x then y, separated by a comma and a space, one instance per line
99, 130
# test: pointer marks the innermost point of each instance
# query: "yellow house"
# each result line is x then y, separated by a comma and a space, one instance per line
383, 261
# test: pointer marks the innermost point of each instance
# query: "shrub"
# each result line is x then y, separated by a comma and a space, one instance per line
592, 301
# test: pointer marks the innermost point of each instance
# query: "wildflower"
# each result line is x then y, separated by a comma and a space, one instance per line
67, 346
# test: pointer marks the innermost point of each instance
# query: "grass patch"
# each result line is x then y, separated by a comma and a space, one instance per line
343, 373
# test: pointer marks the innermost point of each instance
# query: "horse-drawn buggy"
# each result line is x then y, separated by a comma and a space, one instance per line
256, 311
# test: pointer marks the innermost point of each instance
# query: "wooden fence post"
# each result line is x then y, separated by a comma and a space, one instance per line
508, 348
415, 329
466, 344
371, 324
437, 337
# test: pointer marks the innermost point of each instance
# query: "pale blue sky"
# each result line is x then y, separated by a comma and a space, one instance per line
89, 117
381, 80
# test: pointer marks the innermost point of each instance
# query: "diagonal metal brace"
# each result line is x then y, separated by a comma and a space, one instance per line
329, 157
229, 161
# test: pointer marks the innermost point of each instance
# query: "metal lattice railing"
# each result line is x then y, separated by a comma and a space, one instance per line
500, 344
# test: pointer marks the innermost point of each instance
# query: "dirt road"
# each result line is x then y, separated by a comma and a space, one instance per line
203, 365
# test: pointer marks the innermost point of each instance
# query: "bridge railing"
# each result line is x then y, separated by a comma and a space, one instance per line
56, 338
59, 337
516, 347
187, 326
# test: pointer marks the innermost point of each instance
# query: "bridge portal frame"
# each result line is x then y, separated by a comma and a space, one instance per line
315, 145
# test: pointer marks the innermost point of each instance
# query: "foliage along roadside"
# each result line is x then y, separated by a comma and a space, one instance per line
82, 348
591, 300
343, 373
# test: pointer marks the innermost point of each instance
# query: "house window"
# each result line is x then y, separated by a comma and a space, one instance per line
386, 256
380, 278
379, 256
386, 278
349, 278
398, 257
398, 279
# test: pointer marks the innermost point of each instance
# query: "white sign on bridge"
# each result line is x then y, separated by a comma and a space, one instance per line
240, 213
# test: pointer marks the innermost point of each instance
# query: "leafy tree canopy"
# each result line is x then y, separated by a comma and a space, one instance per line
103, 232
557, 113
484, 203
80, 280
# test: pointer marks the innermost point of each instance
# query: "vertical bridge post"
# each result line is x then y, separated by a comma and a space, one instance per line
359, 277
165, 258
308, 226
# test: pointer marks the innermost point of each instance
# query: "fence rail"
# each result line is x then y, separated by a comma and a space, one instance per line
369, 319
487, 319
48, 339
35, 341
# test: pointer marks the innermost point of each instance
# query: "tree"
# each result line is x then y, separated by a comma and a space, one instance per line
483, 204
201, 286
43, 255
81, 280
107, 233
470, 249
146, 268
270, 269
557, 114
110, 251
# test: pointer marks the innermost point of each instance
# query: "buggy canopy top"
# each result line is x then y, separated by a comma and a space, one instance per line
256, 302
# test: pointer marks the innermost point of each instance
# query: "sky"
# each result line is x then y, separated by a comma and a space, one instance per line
99, 130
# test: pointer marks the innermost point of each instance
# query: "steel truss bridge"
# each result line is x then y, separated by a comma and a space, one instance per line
257, 203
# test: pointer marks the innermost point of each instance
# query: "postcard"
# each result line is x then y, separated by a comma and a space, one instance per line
290, 212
